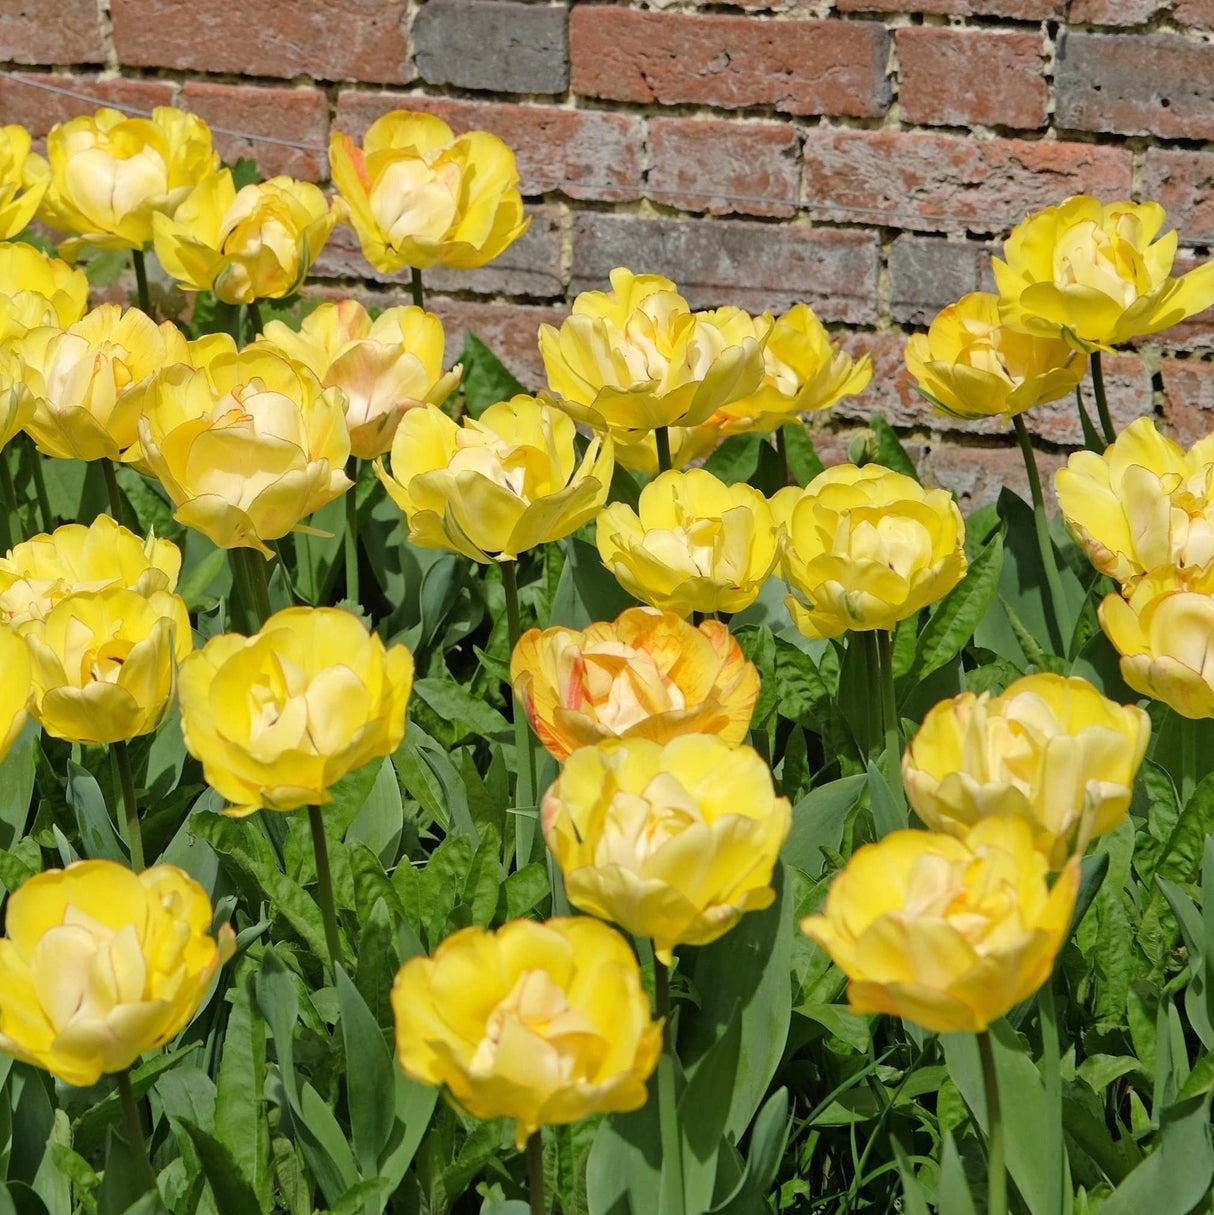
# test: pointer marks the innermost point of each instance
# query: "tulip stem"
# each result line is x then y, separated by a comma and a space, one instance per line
661, 436
1188, 758
134, 1127
1059, 624
668, 1110
996, 1172
535, 1173
44, 502
415, 286
324, 883
1091, 439
1102, 401
525, 792
255, 323
11, 530
782, 459
141, 281
889, 703
351, 542
112, 489
134, 835
253, 570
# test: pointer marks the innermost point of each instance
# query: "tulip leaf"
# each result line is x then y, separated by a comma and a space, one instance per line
703, 1110
123, 1182
888, 806
380, 821
512, 1206
1177, 1175
890, 451
414, 1104
818, 820
98, 838
17, 784
371, 1102
623, 1170
468, 713
233, 1194
736, 459
913, 1199
240, 1120
767, 1141
953, 1196
429, 777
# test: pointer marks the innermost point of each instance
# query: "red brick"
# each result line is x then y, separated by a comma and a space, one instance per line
1188, 399
977, 475
511, 331
797, 67
337, 40
752, 265
1019, 10
529, 267
1148, 84
723, 167
38, 110
940, 183
1184, 183
51, 31
581, 153
952, 77
1199, 13
300, 115
1114, 12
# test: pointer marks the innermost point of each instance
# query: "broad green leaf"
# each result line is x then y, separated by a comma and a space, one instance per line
233, 1194
455, 704
953, 1195
623, 1169
525, 888
803, 460
380, 821
736, 459
767, 1143
97, 835
17, 784
818, 820
240, 1120
370, 1101
703, 1110
1177, 1175
890, 451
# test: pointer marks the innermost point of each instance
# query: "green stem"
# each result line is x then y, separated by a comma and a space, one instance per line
351, 538
535, 1173
1060, 626
238, 324
661, 437
141, 281
782, 458
111, 487
1102, 401
254, 321
44, 501
1188, 758
1091, 439
134, 1128
130, 807
889, 701
324, 883
254, 570
415, 286
10, 520
525, 792
996, 1172
668, 1112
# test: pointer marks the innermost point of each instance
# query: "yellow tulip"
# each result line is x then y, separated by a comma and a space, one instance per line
1050, 750
970, 365
37, 290
687, 445
99, 964
258, 243
278, 718
1145, 503
542, 1023
803, 372
38, 573
673, 842
696, 545
419, 196
950, 933
246, 446
109, 174
16, 405
105, 662
1096, 275
23, 180
1162, 633
646, 674
16, 688
385, 366
494, 486
865, 547
636, 358
78, 381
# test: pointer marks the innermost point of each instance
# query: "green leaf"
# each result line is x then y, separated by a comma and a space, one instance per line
1176, 1176
240, 1120
370, 1101
803, 461
233, 1194
485, 379
98, 839
736, 459
525, 889
703, 1109
890, 451
468, 713
122, 1184
428, 775
623, 1169
17, 784
889, 810
380, 822
953, 1196
767, 1142
818, 820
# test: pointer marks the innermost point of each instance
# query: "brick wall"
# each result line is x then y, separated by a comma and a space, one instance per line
858, 154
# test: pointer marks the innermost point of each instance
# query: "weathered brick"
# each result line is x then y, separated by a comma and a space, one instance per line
1114, 12
1184, 183
1018, 10
952, 77
38, 110
1188, 399
581, 153
797, 67
499, 45
928, 274
529, 267
511, 331
940, 183
1147, 84
1199, 13
51, 31
750, 264
977, 475
722, 167
298, 115
337, 40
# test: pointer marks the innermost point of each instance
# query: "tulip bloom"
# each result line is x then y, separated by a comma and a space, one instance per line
1050, 750
1145, 503
385, 366
15, 690
1162, 632
696, 545
541, 1023
420, 196
111, 174
647, 674
80, 381
104, 663
636, 358
41, 571
99, 964
950, 933
1096, 275
245, 447
494, 486
278, 718
865, 547
23, 181
673, 842
255, 244
37, 290
970, 365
